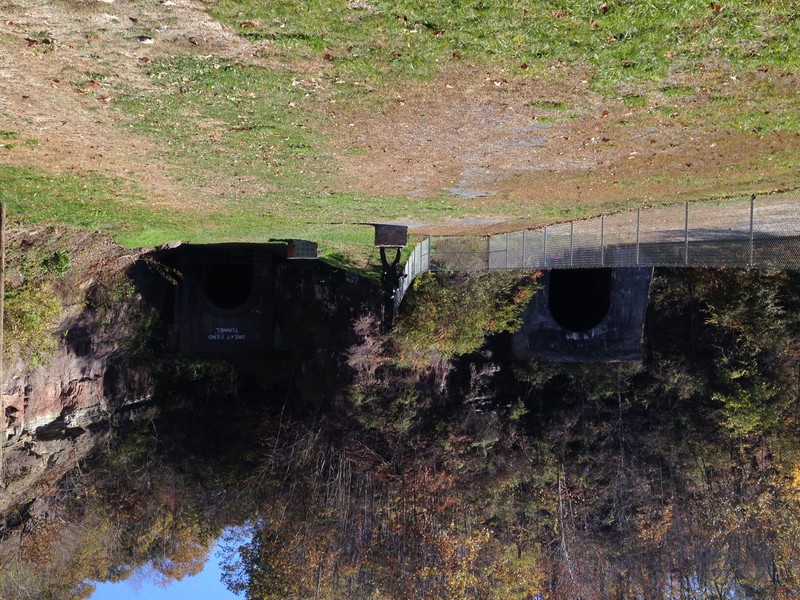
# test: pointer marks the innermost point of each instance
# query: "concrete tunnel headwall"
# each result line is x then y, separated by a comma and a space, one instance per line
586, 315
224, 300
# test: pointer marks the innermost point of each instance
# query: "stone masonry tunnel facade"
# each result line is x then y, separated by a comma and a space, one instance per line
586, 315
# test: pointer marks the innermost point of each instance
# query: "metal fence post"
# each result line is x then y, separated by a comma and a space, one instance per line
523, 249
428, 254
602, 240
506, 250
544, 254
571, 242
752, 211
686, 235
638, 224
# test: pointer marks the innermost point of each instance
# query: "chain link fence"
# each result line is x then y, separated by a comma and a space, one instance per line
419, 261
763, 233
736, 233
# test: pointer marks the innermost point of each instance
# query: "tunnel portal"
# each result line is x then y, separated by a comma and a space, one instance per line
227, 286
586, 315
579, 299
223, 300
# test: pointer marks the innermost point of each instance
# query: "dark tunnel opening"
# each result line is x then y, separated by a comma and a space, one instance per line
579, 298
227, 285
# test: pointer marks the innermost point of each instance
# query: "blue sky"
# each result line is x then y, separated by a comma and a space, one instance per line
204, 586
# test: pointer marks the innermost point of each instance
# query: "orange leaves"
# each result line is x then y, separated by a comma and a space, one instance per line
795, 480
37, 545
654, 526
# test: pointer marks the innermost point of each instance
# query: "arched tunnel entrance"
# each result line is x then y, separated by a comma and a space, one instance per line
586, 315
579, 299
227, 286
223, 299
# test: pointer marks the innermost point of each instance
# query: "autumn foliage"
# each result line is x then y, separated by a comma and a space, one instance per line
678, 477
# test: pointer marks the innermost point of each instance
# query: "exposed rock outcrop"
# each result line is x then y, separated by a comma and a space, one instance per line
57, 412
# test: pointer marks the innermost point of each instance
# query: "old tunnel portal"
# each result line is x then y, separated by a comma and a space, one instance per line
227, 286
579, 299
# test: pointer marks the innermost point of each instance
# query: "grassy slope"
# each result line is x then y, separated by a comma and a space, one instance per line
222, 120
621, 41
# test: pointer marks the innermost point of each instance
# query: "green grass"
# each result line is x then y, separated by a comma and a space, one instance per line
558, 214
551, 105
678, 91
770, 116
7, 139
552, 111
215, 114
89, 201
107, 204
626, 41
634, 100
223, 121
110, 205
253, 142
755, 110
788, 161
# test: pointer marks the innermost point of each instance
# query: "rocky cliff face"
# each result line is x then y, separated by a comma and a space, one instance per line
57, 411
